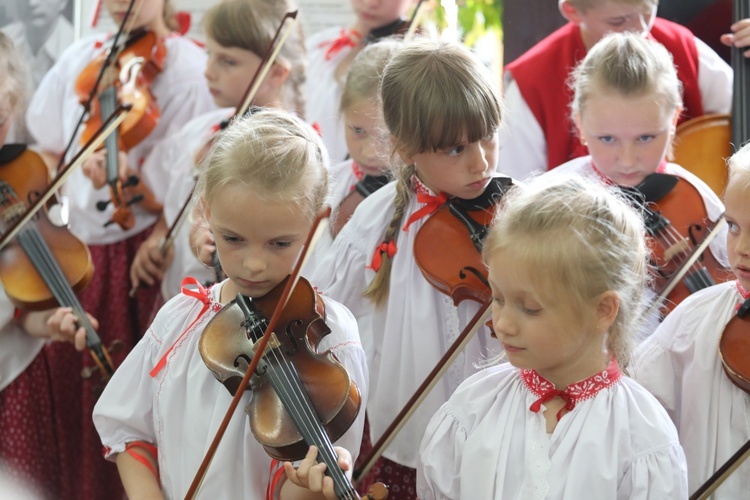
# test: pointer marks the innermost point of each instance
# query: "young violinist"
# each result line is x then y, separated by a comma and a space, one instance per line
330, 54
561, 419
681, 362
271, 165
627, 100
539, 134
442, 112
366, 170
27, 411
238, 34
180, 92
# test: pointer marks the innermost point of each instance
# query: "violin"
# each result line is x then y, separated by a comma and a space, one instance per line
362, 189
734, 351
46, 264
127, 80
676, 222
448, 246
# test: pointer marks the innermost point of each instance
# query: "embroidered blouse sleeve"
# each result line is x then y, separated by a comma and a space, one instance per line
660, 473
440, 456
124, 412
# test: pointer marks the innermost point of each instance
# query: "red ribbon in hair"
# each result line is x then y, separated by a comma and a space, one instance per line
388, 248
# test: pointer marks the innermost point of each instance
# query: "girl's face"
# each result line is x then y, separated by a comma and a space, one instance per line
373, 14
463, 170
554, 339
627, 137
366, 138
148, 13
737, 205
228, 74
257, 252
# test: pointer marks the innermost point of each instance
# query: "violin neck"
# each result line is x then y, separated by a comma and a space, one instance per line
107, 105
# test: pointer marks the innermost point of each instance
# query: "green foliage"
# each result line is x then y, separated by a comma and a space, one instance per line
477, 17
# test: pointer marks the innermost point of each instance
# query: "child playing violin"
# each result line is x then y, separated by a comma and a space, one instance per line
181, 93
627, 99
681, 364
560, 420
271, 165
539, 135
238, 34
442, 111
330, 54
27, 412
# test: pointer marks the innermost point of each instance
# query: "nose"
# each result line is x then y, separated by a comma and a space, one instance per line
626, 155
210, 71
255, 263
503, 324
479, 161
742, 245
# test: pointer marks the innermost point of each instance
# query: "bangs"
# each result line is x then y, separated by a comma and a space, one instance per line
226, 24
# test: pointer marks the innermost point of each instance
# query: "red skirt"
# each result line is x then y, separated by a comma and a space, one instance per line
29, 451
400, 480
84, 474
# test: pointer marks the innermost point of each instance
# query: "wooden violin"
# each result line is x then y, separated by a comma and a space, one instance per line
125, 78
300, 397
448, 246
734, 350
676, 221
361, 190
45, 264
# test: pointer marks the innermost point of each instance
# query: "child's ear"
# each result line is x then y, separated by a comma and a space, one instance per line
278, 74
608, 305
569, 12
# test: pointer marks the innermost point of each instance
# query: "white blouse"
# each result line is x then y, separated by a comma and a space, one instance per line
680, 365
407, 336
180, 408
486, 443
181, 93
17, 348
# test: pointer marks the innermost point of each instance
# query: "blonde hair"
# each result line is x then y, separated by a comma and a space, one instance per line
435, 94
739, 167
14, 74
271, 153
584, 5
366, 71
630, 64
598, 246
251, 25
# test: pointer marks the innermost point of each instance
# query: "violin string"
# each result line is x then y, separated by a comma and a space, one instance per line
669, 237
307, 417
41, 256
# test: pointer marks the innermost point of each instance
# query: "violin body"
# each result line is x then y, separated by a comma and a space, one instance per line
448, 246
362, 189
734, 348
701, 146
226, 346
20, 179
677, 223
139, 63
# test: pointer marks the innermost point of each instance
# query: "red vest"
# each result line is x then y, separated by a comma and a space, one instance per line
543, 71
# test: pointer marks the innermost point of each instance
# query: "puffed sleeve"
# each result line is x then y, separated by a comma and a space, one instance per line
344, 344
124, 412
660, 473
440, 457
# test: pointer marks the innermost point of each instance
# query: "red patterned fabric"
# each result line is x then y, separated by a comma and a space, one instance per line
401, 480
745, 293
29, 451
574, 393
85, 475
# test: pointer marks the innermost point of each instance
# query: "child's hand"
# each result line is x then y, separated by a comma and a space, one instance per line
95, 167
203, 245
310, 475
150, 263
62, 326
739, 37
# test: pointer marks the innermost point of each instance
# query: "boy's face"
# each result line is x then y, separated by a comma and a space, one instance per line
609, 17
